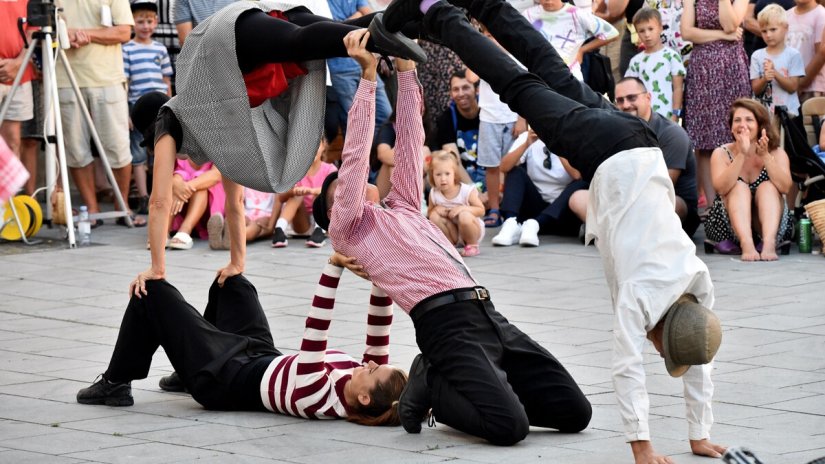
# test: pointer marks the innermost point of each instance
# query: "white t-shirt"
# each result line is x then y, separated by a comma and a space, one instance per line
787, 63
804, 32
492, 109
549, 182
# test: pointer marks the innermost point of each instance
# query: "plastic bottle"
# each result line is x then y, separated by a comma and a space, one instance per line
84, 227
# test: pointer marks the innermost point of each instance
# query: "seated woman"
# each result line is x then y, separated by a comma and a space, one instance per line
536, 192
196, 190
228, 361
751, 175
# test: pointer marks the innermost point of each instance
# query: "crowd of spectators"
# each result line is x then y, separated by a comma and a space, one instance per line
683, 66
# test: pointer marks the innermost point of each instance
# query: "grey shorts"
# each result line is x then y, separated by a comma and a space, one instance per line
494, 141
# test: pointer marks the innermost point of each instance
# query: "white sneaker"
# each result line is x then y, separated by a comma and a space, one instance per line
529, 233
509, 233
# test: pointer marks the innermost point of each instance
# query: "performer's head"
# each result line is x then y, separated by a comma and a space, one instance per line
322, 206
373, 393
689, 334
144, 113
443, 171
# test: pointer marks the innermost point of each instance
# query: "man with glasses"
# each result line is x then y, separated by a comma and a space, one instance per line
655, 279
633, 98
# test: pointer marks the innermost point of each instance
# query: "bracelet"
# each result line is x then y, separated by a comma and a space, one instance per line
678, 112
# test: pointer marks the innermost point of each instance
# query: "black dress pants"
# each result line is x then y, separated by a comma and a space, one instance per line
206, 351
568, 116
491, 380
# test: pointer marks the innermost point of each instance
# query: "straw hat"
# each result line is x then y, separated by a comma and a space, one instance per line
691, 336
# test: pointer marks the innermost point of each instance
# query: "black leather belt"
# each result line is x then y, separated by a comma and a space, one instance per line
452, 296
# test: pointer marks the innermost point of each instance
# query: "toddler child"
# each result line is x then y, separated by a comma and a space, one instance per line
659, 67
454, 207
296, 204
777, 69
148, 69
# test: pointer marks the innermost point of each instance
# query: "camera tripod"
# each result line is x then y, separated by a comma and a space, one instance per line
53, 124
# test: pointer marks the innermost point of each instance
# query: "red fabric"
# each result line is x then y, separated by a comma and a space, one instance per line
271, 79
11, 43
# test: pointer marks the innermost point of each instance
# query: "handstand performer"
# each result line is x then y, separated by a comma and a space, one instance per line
251, 90
660, 289
479, 373
227, 359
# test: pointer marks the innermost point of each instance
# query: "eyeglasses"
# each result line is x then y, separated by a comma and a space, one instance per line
548, 163
630, 98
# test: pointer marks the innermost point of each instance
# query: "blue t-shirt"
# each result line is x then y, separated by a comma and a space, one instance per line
341, 10
145, 67
196, 11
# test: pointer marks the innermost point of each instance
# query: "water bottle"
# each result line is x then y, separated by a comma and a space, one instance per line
84, 227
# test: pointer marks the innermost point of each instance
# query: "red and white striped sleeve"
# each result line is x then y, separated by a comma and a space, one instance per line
379, 321
312, 385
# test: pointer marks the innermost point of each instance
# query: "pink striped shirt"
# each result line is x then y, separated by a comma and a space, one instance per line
310, 384
404, 253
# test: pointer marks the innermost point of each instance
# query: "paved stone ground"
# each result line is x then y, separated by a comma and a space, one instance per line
60, 310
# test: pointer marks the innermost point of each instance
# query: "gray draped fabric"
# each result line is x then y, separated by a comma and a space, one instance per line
268, 148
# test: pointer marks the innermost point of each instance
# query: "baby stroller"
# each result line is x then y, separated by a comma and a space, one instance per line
807, 168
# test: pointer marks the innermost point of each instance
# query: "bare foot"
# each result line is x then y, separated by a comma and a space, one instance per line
749, 253
769, 252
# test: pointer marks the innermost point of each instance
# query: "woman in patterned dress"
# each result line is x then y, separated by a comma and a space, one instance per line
717, 75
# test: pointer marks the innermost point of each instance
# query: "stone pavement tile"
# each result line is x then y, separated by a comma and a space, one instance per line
68, 441
125, 423
54, 389
252, 420
21, 306
779, 322
811, 362
772, 377
35, 324
769, 440
11, 335
756, 395
40, 344
288, 446
523, 452
150, 452
35, 289
38, 364
200, 435
374, 454
91, 352
809, 405
47, 412
25, 457
793, 423
815, 330
800, 457
11, 429
720, 410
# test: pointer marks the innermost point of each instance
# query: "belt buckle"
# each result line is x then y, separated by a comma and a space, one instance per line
482, 293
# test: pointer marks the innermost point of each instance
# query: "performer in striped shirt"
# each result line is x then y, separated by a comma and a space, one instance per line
479, 373
227, 359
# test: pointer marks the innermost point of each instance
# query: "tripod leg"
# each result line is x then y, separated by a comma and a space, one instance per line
96, 138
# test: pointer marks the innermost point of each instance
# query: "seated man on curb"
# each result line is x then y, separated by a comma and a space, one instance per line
660, 289
632, 97
479, 373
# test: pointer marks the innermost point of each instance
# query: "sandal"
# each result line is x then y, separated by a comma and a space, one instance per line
470, 250
181, 241
493, 218
137, 221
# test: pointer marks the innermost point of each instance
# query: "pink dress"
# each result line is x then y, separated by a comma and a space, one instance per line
314, 181
217, 198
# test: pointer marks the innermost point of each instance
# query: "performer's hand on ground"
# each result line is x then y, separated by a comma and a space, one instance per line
337, 259
230, 270
643, 453
706, 448
402, 65
356, 43
138, 286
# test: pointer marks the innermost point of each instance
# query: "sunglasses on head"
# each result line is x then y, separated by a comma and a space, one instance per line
630, 98
548, 163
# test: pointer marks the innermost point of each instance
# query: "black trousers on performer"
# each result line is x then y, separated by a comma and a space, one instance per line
489, 379
209, 352
568, 116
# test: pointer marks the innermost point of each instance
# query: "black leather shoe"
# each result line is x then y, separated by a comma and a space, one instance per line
394, 43
414, 402
399, 12
172, 383
108, 393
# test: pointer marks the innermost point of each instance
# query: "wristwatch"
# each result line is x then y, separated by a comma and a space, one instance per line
678, 112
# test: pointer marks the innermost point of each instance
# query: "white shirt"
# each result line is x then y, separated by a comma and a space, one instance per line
491, 108
549, 182
649, 263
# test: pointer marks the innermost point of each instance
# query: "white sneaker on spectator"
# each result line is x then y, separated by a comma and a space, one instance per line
509, 233
529, 233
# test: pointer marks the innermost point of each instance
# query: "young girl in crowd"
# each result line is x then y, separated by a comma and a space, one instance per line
296, 204
196, 191
455, 207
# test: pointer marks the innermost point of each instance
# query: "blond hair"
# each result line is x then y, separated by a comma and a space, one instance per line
443, 156
772, 14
